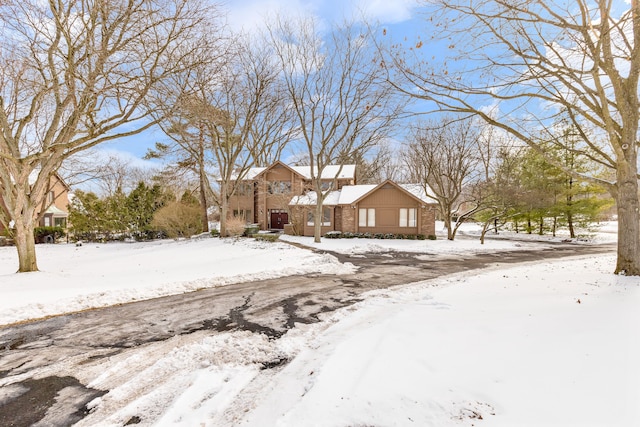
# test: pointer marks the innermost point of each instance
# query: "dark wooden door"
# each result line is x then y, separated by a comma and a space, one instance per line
279, 219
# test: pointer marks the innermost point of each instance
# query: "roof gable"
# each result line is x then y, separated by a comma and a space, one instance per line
33, 176
329, 171
415, 191
272, 166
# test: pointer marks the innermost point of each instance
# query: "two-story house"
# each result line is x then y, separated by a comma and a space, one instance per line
263, 196
281, 197
55, 209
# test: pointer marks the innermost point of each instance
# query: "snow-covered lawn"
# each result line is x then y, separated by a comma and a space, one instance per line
538, 345
545, 344
95, 275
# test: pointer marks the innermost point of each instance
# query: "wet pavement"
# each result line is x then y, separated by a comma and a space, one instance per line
36, 358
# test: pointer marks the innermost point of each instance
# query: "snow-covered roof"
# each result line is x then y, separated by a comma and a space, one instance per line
345, 196
418, 191
310, 198
349, 194
329, 172
253, 172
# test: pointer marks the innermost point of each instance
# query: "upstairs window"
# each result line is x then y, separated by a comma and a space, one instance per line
326, 185
244, 189
280, 187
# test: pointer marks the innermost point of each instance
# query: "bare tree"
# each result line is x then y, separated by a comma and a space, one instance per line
74, 74
532, 61
335, 84
375, 165
443, 158
233, 116
104, 172
187, 151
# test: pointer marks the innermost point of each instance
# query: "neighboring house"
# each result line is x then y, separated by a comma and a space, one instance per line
280, 197
55, 207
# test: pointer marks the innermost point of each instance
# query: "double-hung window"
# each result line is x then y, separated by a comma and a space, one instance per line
408, 217
367, 217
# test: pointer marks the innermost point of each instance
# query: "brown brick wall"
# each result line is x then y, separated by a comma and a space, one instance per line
348, 219
428, 220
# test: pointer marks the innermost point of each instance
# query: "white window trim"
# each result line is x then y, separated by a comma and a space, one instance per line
367, 217
311, 222
408, 217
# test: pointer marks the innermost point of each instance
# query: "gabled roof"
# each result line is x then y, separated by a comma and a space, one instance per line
33, 176
345, 196
352, 194
310, 198
57, 212
415, 191
418, 191
271, 166
329, 171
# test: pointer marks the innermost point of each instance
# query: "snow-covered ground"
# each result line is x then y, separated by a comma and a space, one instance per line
544, 344
536, 345
95, 275
73, 278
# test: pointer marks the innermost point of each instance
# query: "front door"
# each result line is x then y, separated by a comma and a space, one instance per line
279, 219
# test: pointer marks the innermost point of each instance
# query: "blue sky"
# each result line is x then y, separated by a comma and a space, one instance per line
400, 17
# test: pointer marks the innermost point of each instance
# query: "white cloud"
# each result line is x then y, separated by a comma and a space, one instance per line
386, 11
249, 15
105, 154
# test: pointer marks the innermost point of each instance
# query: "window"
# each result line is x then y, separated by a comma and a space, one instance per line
408, 217
326, 185
367, 217
280, 187
326, 217
50, 198
243, 213
244, 189
60, 222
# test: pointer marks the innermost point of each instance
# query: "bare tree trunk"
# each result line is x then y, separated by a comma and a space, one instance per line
25, 244
628, 261
224, 210
317, 222
203, 204
447, 224
485, 228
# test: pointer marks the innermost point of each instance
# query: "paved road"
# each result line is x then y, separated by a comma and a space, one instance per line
36, 358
